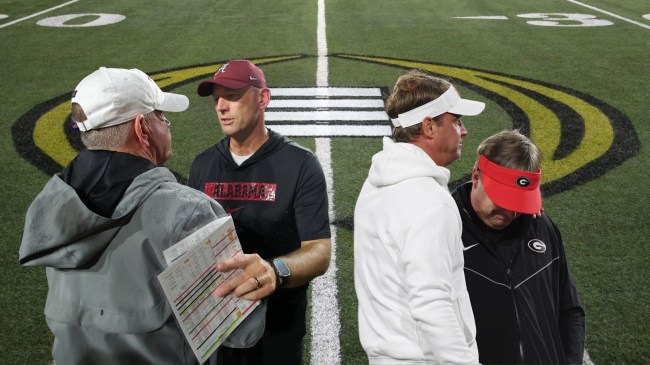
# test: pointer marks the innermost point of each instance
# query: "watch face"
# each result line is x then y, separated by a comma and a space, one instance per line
283, 270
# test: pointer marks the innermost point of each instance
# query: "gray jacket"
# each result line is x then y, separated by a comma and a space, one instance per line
105, 304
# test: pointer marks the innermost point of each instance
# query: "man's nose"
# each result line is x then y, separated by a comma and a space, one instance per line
221, 105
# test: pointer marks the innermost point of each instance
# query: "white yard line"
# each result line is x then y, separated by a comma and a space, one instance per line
325, 322
37, 14
646, 26
322, 72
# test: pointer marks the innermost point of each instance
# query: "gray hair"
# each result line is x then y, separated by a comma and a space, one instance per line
513, 150
108, 138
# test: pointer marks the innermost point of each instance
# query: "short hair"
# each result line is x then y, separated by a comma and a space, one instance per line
513, 150
108, 138
411, 90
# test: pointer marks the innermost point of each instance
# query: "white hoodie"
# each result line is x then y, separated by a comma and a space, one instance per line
408, 263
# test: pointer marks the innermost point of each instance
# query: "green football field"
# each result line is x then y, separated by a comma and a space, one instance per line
573, 75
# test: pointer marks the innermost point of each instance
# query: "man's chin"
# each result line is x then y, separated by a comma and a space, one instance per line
164, 161
500, 222
227, 132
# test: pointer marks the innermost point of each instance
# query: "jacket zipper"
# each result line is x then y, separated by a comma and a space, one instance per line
514, 299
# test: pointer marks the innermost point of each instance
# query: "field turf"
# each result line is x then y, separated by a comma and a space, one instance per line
573, 75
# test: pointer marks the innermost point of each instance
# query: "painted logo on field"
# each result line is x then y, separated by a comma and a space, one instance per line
580, 136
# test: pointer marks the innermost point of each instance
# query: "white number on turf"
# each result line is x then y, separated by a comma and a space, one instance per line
565, 20
99, 20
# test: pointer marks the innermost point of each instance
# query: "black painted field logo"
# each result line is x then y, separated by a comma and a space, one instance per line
580, 136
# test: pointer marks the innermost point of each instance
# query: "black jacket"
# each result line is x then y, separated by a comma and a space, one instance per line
277, 199
525, 302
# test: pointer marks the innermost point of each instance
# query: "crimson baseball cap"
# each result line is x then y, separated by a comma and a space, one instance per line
234, 74
515, 190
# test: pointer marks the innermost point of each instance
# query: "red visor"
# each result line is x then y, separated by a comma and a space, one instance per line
511, 189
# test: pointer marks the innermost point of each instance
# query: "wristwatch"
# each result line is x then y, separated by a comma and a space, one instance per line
282, 272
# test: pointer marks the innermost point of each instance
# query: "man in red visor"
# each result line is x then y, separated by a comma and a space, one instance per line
524, 299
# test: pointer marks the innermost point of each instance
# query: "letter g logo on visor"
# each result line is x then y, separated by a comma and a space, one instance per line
523, 181
511, 189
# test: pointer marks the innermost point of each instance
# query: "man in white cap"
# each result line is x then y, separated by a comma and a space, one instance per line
100, 227
408, 257
525, 302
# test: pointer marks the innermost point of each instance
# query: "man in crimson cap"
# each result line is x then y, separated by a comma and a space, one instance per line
275, 191
524, 299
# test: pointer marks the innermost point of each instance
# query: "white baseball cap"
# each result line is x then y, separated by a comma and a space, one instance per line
111, 96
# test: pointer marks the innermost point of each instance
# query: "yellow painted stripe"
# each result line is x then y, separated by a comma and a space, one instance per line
50, 137
164, 79
49, 133
545, 126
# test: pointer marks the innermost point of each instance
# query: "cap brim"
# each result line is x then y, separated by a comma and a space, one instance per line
467, 107
514, 199
205, 88
174, 103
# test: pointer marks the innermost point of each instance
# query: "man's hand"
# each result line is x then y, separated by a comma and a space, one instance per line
257, 281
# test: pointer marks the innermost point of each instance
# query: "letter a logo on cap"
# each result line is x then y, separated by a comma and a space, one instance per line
221, 69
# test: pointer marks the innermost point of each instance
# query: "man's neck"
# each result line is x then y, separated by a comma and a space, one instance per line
427, 147
250, 144
139, 152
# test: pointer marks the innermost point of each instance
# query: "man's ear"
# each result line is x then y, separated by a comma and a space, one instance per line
141, 129
475, 178
264, 97
428, 127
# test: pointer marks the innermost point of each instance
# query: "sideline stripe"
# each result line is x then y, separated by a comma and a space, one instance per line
325, 322
37, 14
646, 26
310, 116
324, 91
339, 130
327, 103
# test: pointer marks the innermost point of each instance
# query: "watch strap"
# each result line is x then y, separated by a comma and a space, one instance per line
282, 272
278, 279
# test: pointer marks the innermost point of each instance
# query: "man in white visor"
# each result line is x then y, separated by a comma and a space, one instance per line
408, 253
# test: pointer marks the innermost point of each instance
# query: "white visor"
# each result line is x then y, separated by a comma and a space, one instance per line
448, 102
